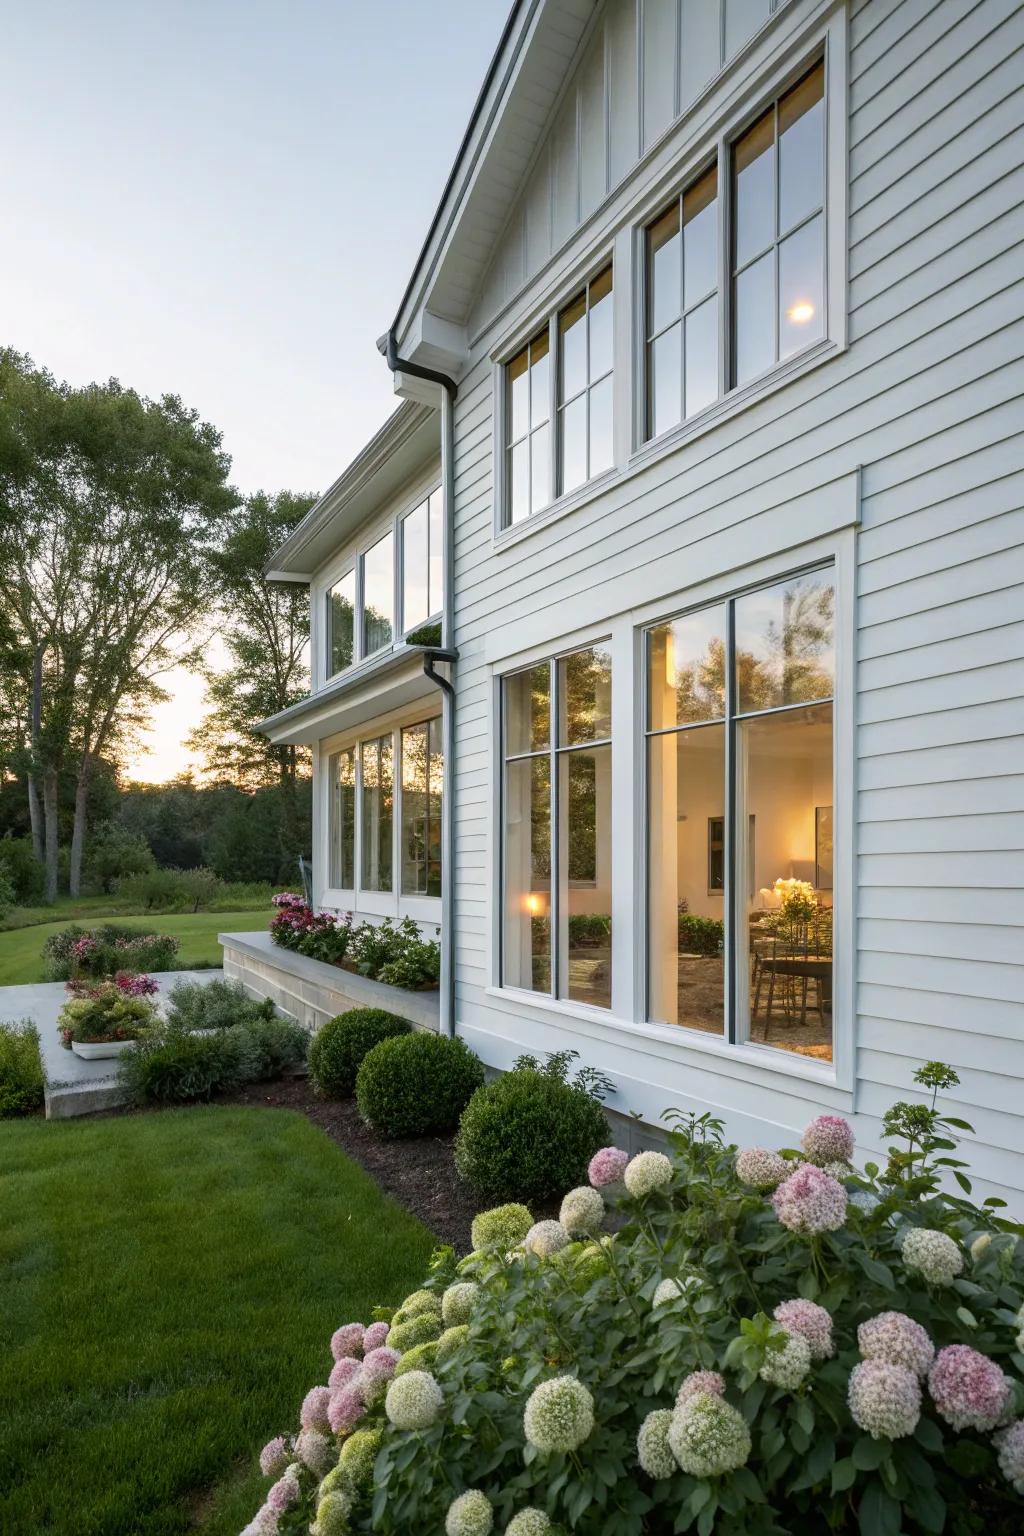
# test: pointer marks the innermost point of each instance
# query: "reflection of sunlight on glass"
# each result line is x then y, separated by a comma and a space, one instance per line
801, 312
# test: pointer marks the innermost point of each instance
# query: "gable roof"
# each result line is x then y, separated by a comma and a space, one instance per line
534, 58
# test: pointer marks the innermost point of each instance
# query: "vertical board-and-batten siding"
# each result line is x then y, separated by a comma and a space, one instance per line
927, 401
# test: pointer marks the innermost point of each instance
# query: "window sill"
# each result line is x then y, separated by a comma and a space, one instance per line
678, 1040
555, 509
669, 442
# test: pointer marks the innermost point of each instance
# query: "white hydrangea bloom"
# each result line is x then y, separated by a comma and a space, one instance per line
884, 1399
529, 1522
652, 1448
582, 1211
545, 1238
787, 1367
708, 1436
674, 1287
458, 1301
413, 1401
471, 1514
646, 1172
933, 1255
559, 1414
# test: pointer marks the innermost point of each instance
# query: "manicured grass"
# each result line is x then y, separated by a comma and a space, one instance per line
21, 950
89, 909
168, 1286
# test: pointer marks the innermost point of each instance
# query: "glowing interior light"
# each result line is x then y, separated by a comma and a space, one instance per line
801, 312
534, 905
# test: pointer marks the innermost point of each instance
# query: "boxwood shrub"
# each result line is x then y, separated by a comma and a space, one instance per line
417, 1085
528, 1136
339, 1046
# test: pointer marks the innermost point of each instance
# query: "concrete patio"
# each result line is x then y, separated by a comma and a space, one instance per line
73, 1086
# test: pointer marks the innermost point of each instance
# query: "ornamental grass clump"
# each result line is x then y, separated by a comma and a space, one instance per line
817, 1363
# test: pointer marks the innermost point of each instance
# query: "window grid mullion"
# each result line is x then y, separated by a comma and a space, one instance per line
554, 370
776, 188
729, 904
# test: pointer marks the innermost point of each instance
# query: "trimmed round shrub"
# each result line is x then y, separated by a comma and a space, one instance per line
417, 1085
528, 1137
339, 1046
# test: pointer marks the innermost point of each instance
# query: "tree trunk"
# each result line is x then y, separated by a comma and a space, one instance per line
35, 819
78, 830
34, 813
50, 816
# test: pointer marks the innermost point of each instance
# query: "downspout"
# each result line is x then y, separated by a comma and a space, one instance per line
446, 652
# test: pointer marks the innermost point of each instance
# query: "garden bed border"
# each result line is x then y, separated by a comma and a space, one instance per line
311, 991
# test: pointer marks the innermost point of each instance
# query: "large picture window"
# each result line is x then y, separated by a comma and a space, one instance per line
578, 396
384, 806
422, 791
740, 735
774, 262
556, 722
342, 819
377, 817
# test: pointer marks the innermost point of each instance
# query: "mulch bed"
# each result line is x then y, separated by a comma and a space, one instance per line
419, 1171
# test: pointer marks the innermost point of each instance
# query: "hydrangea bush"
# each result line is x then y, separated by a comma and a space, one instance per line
750, 1344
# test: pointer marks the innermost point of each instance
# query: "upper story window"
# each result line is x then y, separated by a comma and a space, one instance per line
558, 421
379, 594
776, 263
422, 562
360, 606
341, 623
778, 247
682, 306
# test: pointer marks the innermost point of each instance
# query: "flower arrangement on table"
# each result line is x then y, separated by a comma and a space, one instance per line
771, 1341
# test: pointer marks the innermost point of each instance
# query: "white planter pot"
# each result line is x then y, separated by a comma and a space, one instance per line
96, 1050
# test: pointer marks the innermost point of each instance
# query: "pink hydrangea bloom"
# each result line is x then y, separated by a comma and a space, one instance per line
810, 1201
375, 1335
811, 1322
284, 1493
316, 1451
885, 1399
607, 1167
263, 1523
347, 1341
700, 1381
380, 1363
760, 1168
828, 1139
344, 1372
313, 1413
1009, 1443
345, 1410
968, 1389
894, 1336
274, 1457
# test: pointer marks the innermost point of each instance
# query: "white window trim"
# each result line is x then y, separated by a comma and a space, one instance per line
827, 39
425, 909
625, 1022
353, 560
546, 317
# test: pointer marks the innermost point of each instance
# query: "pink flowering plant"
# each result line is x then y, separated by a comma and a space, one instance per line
746, 1345
395, 953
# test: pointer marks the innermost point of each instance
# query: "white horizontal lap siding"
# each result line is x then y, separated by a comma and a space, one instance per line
928, 402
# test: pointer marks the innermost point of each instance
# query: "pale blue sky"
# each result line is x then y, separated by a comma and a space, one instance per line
223, 199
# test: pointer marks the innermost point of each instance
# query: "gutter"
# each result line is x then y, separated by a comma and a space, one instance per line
446, 652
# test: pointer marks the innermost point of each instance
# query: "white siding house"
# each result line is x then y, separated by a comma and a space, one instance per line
730, 294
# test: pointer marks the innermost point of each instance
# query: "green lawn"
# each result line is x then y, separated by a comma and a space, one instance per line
168, 1286
21, 949
93, 909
